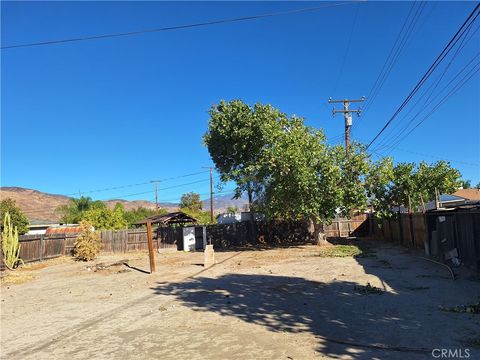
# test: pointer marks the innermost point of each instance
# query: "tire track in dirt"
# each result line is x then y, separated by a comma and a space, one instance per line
74, 330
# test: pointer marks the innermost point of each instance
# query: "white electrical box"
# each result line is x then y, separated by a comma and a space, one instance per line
349, 120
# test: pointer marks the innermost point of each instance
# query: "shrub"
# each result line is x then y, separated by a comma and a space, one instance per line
88, 243
17, 217
10, 245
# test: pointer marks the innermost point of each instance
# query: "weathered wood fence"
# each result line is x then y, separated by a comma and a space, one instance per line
43, 247
406, 229
438, 233
442, 234
357, 226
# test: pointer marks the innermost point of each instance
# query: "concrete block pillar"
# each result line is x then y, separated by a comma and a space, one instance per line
209, 256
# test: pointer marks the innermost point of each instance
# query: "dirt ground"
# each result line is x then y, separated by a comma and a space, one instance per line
286, 303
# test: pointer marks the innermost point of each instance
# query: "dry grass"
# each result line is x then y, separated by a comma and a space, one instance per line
45, 263
339, 251
16, 278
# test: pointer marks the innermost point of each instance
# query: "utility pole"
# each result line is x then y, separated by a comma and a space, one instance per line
348, 118
156, 193
211, 192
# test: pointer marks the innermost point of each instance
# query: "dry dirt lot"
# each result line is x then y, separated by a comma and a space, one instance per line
284, 303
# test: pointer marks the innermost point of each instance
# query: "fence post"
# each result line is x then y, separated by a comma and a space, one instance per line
40, 248
412, 233
400, 227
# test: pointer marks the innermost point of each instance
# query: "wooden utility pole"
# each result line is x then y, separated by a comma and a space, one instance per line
211, 192
348, 118
211, 195
156, 193
151, 254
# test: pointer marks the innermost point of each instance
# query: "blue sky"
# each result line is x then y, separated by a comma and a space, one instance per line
106, 113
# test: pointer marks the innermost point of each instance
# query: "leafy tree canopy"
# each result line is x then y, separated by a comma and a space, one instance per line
73, 212
236, 136
408, 184
17, 217
106, 219
191, 201
466, 184
132, 216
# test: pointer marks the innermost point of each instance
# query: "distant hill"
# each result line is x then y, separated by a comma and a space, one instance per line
222, 202
40, 206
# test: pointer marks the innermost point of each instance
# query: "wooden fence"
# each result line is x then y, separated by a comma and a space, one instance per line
43, 247
357, 226
438, 233
406, 229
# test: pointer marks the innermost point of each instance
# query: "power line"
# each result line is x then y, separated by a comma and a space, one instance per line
393, 56
120, 197
430, 91
457, 87
435, 64
178, 27
402, 40
347, 50
137, 184
398, 134
428, 155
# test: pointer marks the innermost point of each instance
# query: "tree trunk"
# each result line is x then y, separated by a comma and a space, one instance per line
251, 223
316, 231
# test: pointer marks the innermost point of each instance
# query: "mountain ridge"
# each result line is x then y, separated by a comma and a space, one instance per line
40, 206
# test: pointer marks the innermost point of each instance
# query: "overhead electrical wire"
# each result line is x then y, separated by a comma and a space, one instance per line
137, 184
457, 87
402, 40
387, 142
458, 35
394, 54
394, 132
347, 50
179, 27
120, 197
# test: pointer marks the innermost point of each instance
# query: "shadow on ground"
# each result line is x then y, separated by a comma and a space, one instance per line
347, 319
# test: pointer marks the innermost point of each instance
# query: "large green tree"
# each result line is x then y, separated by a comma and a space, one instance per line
298, 175
237, 134
440, 176
378, 183
408, 185
140, 213
105, 218
285, 165
191, 201
17, 217
74, 210
353, 175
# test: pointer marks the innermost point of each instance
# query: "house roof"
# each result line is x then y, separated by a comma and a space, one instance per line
469, 194
178, 217
70, 229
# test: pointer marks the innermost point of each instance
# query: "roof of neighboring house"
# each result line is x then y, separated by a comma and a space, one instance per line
64, 229
448, 198
178, 217
469, 194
